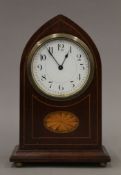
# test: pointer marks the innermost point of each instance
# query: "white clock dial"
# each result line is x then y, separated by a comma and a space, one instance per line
60, 67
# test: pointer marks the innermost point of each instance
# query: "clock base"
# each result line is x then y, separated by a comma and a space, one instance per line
62, 156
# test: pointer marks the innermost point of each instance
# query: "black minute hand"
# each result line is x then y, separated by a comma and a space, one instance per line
53, 57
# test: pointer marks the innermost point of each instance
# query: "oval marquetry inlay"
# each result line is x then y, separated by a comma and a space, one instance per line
61, 122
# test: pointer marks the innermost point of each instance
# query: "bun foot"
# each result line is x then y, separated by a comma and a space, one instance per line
18, 164
103, 164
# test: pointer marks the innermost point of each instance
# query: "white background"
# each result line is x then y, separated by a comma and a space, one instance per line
19, 19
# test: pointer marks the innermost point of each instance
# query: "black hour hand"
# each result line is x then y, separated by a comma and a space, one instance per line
66, 56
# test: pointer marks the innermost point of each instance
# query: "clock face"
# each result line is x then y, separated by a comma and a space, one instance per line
60, 66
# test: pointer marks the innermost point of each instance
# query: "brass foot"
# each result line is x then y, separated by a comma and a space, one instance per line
18, 164
103, 164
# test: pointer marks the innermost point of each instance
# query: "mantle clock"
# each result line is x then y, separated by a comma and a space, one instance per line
60, 97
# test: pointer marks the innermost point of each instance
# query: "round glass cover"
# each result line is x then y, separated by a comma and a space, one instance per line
60, 65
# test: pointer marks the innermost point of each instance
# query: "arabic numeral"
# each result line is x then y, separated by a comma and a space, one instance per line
79, 77
42, 57
79, 57
60, 47
72, 82
70, 49
39, 67
61, 88
50, 84
43, 77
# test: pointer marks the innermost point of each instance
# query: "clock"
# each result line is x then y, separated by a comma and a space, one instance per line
51, 70
60, 97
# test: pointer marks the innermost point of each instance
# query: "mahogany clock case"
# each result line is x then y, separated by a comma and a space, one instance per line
37, 144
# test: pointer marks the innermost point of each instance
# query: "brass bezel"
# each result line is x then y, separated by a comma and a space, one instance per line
72, 38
